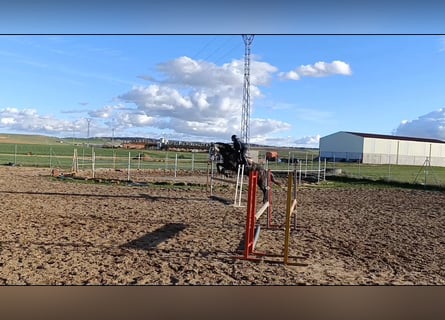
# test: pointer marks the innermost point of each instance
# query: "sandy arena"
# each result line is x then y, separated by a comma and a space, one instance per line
67, 232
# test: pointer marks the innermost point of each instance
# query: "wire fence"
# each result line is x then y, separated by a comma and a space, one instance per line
424, 174
171, 163
89, 160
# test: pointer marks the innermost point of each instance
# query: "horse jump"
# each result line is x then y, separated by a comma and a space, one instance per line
252, 230
230, 162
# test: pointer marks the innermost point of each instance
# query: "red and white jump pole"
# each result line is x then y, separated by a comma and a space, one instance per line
252, 229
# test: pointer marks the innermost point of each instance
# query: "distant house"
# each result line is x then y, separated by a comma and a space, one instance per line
381, 149
134, 145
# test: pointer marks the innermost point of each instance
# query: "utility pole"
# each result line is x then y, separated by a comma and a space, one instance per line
113, 128
88, 133
245, 118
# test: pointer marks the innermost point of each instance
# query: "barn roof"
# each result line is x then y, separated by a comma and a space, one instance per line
387, 136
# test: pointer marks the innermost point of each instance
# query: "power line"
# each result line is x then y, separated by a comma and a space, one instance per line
217, 49
232, 49
195, 56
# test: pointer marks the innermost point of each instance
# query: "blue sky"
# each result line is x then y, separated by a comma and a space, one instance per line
229, 16
190, 86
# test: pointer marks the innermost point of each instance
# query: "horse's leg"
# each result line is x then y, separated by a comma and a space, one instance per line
220, 168
246, 171
265, 192
263, 187
272, 177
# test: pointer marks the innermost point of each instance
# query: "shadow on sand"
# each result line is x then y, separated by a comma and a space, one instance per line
222, 200
150, 240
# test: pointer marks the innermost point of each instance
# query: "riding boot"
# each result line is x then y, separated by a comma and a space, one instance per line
240, 161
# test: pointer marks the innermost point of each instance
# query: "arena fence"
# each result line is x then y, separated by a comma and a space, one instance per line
109, 159
170, 162
425, 174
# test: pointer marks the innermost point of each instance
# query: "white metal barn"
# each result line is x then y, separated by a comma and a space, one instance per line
382, 149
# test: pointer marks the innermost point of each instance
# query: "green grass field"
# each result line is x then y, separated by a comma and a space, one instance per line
43, 151
62, 155
400, 173
48, 152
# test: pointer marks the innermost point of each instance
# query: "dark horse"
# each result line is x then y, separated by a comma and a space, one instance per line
230, 162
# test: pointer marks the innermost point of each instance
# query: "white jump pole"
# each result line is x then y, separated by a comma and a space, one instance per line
129, 166
211, 178
93, 162
238, 183
324, 171
176, 163
239, 186
299, 174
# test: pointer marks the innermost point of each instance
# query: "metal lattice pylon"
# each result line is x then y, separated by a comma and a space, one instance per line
245, 118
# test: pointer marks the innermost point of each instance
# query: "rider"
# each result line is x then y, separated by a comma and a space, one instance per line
241, 150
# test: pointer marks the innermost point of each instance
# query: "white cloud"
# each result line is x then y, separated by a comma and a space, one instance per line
308, 142
267, 126
7, 120
29, 120
158, 100
129, 120
289, 141
194, 99
201, 98
105, 113
318, 70
185, 71
430, 125
291, 75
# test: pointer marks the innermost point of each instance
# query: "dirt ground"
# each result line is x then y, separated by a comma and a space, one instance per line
60, 231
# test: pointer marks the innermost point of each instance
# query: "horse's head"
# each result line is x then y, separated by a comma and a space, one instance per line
220, 148
224, 153
214, 149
